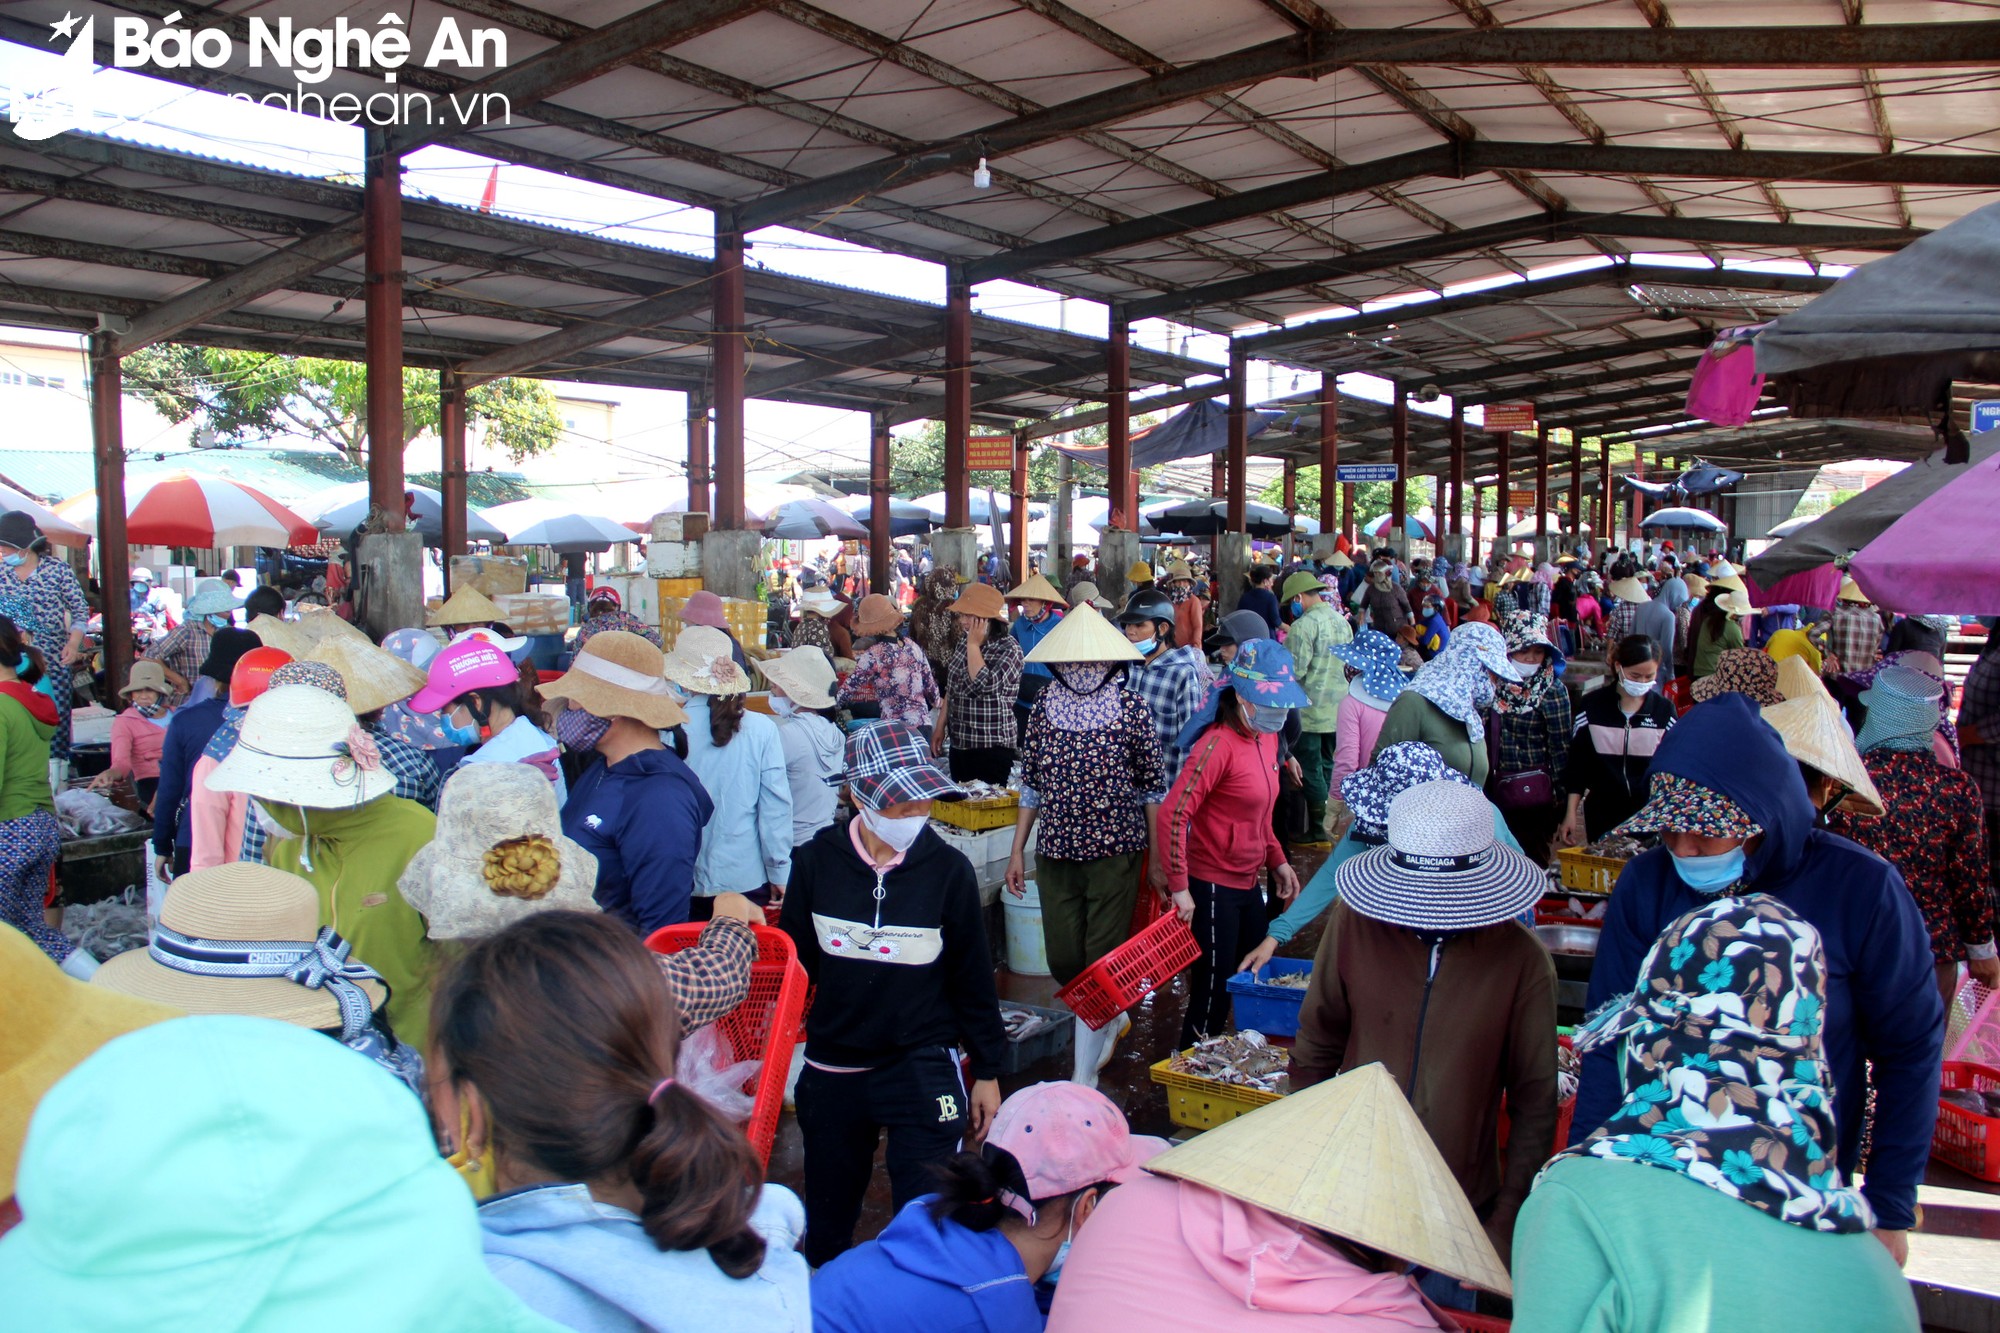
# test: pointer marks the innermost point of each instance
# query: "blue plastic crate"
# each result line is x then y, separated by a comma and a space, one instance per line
1271, 1010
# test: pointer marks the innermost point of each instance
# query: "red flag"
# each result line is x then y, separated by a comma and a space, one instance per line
492, 189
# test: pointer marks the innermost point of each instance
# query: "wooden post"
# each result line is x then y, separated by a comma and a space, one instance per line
114, 555
729, 332
698, 470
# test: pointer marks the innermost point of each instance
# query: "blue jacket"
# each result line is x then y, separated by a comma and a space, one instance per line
1028, 633
188, 735
591, 1266
642, 818
1882, 1002
936, 1276
1264, 602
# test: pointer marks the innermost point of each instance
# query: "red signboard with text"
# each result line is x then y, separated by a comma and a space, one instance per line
989, 453
1510, 416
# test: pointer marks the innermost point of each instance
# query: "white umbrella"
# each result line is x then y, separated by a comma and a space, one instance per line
179, 509
977, 512
547, 523
55, 527
340, 510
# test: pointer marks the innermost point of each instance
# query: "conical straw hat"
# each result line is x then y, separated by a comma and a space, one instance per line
320, 626
374, 678
1797, 680
1037, 589
468, 606
1348, 1157
1084, 636
1815, 733
282, 634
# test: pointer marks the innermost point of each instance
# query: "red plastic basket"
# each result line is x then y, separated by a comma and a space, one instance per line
1131, 972
764, 1027
1680, 693
1962, 1139
1480, 1323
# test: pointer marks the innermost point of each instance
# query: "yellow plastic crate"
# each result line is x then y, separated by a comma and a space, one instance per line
977, 816
1194, 1102
1585, 873
747, 620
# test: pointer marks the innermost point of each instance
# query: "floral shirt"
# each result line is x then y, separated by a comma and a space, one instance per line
48, 605
1935, 834
1092, 787
616, 620
895, 674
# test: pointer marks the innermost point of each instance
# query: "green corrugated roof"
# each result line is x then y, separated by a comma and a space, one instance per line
289, 476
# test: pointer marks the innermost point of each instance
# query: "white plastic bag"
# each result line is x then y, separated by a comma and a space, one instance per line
704, 1069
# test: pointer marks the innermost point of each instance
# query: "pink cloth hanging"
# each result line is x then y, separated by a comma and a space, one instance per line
1726, 384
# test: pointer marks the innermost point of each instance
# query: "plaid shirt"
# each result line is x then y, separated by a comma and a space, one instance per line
183, 651
1537, 740
1619, 623
1174, 686
712, 978
980, 710
1855, 635
1979, 706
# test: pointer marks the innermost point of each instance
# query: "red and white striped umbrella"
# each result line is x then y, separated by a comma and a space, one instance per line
178, 509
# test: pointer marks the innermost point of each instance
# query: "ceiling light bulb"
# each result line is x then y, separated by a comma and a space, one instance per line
981, 177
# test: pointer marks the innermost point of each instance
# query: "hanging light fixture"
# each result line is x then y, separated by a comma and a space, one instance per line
981, 178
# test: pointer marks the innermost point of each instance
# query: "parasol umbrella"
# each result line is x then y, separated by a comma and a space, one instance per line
180, 509
810, 520
546, 523
1205, 518
1697, 520
905, 519
1918, 565
978, 511
56, 528
1094, 512
1557, 523
1846, 528
1413, 527
1792, 525
344, 508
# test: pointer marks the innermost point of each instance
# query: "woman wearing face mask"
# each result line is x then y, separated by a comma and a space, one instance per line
139, 734
476, 691
801, 683
1217, 823
41, 596
1092, 778
1001, 1222
1442, 707
1618, 731
1734, 819
1531, 737
1433, 634
636, 806
982, 683
887, 922
212, 607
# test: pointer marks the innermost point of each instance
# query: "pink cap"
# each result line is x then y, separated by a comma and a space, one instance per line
704, 608
461, 668
1067, 1137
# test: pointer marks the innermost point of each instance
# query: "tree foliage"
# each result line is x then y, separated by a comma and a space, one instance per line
916, 464
250, 395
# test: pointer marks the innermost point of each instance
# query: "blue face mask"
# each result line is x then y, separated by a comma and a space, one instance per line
1146, 646
220, 622
1298, 607
463, 737
1710, 874
14, 561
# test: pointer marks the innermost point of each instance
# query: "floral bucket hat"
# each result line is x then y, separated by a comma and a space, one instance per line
1368, 791
1261, 673
1682, 805
1750, 671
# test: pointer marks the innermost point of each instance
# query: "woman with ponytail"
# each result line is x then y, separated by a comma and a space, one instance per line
626, 1203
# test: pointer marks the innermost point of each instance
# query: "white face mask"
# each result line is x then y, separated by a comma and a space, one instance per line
1638, 689
782, 706
899, 833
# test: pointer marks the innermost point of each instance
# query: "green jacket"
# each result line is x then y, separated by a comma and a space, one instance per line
1606, 1247
1317, 670
1415, 718
357, 855
24, 752
1708, 650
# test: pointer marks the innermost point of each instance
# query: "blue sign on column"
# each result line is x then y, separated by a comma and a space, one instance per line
1365, 472
1985, 416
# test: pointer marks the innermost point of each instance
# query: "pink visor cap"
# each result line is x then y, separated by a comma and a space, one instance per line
470, 665
1067, 1137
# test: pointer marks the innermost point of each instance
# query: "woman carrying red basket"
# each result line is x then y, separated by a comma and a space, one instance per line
1216, 823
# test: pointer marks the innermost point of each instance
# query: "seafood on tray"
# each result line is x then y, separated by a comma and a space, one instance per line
1022, 1024
1244, 1059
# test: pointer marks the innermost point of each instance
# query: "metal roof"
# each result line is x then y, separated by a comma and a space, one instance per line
1235, 164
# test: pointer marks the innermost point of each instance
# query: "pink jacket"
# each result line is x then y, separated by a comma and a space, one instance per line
215, 819
135, 744
1355, 729
1207, 1262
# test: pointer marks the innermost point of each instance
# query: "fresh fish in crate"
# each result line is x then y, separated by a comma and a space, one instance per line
1244, 1059
1022, 1024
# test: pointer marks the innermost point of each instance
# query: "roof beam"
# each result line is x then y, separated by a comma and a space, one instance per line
579, 60
1311, 55
277, 270
1574, 357
818, 365
1709, 230
640, 317
1617, 375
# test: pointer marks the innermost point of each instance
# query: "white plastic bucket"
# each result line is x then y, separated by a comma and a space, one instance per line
1027, 950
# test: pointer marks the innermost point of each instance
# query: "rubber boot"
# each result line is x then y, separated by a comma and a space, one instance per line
1091, 1048
80, 965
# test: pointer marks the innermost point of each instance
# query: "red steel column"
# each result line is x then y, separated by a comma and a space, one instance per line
1329, 453
1503, 509
451, 474
1347, 510
1455, 516
1123, 481
726, 348
1478, 498
878, 504
1239, 437
1218, 485
1291, 498
1399, 493
1607, 505
699, 475
1017, 508
957, 401
382, 332
1541, 484
114, 557
1635, 503
1575, 487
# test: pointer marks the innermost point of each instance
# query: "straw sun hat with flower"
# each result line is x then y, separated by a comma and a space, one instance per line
702, 663
618, 675
499, 855
804, 674
302, 746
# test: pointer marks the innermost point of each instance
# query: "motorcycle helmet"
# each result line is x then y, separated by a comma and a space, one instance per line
1147, 604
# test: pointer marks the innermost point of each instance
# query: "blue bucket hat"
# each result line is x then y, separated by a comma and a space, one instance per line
1903, 711
1261, 673
1368, 791
1380, 662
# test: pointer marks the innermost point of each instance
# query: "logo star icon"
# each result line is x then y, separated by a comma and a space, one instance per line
67, 27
